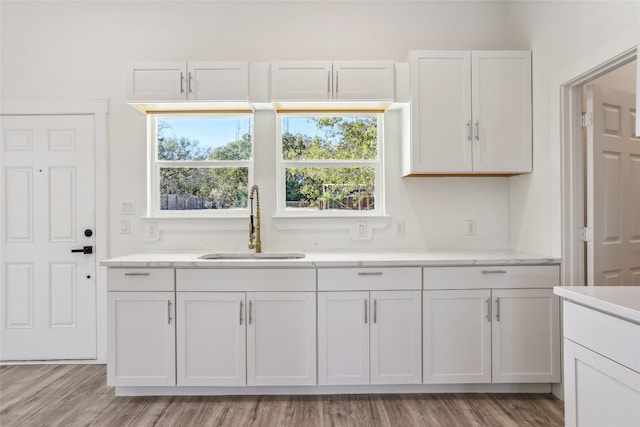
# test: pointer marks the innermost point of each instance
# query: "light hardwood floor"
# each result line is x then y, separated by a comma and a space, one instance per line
77, 395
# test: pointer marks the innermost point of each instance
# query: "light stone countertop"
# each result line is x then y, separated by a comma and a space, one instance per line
620, 301
334, 259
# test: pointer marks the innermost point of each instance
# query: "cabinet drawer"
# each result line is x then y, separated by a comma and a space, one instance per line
238, 280
496, 277
140, 279
365, 279
610, 336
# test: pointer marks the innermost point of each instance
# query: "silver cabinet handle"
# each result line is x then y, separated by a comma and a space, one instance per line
189, 86
469, 130
240, 312
366, 303
375, 311
477, 130
488, 309
494, 271
169, 312
498, 309
250, 316
329, 82
181, 82
336, 89
136, 274
370, 273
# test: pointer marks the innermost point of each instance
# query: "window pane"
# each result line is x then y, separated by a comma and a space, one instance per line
203, 188
204, 138
323, 189
336, 137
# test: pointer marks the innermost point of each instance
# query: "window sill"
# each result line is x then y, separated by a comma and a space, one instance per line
155, 224
361, 227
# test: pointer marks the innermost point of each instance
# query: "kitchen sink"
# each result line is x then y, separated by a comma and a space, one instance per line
237, 255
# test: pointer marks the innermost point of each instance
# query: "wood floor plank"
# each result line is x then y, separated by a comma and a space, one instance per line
77, 396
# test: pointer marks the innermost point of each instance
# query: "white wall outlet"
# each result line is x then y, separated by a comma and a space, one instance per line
128, 208
472, 227
152, 233
125, 226
361, 231
398, 228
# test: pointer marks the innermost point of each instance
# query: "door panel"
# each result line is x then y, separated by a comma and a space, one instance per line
48, 292
613, 179
343, 338
396, 336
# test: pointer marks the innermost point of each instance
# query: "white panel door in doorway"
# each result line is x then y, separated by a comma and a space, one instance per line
613, 188
48, 288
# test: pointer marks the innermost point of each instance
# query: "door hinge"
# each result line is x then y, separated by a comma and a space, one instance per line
585, 234
585, 120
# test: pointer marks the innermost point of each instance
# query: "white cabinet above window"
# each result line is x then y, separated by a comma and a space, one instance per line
470, 113
170, 82
332, 80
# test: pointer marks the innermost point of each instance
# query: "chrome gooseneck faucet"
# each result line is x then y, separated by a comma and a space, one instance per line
254, 224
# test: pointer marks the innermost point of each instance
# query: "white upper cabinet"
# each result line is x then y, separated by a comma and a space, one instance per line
470, 113
181, 81
327, 80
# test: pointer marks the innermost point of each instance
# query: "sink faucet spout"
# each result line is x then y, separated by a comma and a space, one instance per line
254, 223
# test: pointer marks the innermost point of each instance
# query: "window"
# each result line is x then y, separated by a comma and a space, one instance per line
201, 164
330, 164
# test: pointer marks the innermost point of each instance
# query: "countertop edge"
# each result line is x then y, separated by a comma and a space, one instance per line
600, 300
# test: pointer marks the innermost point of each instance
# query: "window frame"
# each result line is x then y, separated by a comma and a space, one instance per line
154, 165
377, 164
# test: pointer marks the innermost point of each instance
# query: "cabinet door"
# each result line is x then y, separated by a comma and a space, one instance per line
396, 350
501, 84
598, 391
281, 338
218, 81
157, 81
360, 80
457, 336
211, 339
141, 339
440, 112
525, 336
301, 80
343, 338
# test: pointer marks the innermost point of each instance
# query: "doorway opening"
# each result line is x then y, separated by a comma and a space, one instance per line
597, 207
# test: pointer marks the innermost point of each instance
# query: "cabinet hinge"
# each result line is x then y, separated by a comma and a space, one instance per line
585, 120
585, 234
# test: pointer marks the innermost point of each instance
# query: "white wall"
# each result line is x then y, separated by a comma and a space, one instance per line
557, 33
79, 50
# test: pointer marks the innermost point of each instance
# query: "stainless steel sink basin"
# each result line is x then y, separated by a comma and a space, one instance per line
267, 255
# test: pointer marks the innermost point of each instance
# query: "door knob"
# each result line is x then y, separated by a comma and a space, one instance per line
87, 250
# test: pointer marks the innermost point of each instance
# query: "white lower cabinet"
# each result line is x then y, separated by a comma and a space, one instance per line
525, 336
281, 338
506, 333
211, 339
141, 339
369, 337
457, 336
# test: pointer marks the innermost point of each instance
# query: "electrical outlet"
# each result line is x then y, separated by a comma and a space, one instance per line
125, 226
398, 228
472, 227
361, 231
152, 233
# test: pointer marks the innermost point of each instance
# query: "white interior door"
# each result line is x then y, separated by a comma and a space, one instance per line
613, 183
48, 296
